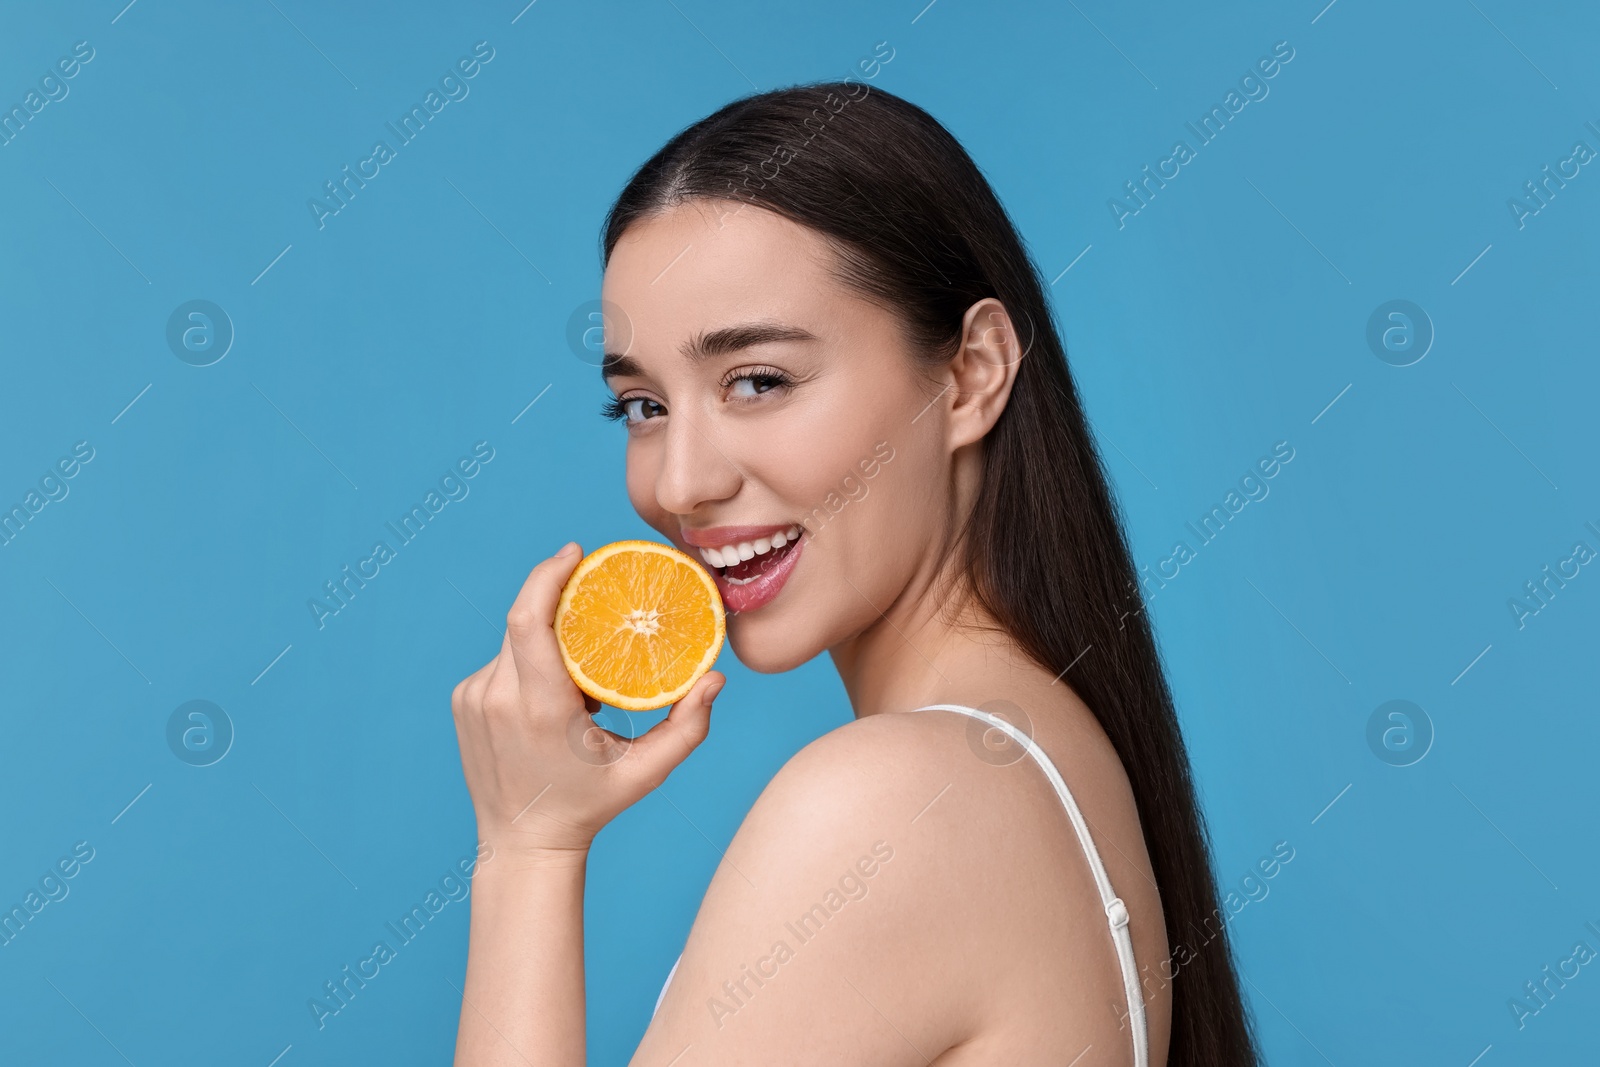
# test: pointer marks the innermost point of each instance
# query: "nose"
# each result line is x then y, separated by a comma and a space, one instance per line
695, 469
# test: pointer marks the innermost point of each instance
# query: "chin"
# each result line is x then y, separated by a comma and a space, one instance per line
766, 646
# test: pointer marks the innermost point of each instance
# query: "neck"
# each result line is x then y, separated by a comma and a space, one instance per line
933, 644
919, 652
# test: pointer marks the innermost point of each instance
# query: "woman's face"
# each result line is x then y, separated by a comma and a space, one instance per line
779, 429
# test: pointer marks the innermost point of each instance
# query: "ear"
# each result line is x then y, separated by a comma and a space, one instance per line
983, 371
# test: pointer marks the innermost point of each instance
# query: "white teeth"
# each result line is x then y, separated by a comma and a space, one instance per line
732, 555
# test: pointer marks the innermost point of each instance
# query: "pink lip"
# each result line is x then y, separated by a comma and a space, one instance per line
717, 536
740, 599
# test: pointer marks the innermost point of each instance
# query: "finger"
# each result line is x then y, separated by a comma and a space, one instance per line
530, 621
468, 692
502, 680
668, 743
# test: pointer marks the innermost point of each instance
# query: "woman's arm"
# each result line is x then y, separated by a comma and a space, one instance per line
849, 923
523, 1001
894, 899
544, 780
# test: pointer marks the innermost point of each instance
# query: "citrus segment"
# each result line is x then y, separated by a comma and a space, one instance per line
638, 624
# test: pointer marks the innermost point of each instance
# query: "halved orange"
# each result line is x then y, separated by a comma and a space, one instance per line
638, 624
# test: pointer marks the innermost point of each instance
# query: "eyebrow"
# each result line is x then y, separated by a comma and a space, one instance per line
706, 346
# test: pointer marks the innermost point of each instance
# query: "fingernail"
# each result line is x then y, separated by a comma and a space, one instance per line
568, 549
715, 691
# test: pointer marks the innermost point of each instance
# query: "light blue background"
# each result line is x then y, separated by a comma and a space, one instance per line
429, 312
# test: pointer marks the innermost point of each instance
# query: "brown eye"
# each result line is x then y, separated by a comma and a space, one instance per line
632, 409
746, 386
639, 408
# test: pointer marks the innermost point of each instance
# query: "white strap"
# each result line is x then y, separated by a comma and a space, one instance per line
663, 994
1116, 910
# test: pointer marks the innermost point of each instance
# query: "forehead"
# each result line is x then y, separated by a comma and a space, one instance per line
706, 263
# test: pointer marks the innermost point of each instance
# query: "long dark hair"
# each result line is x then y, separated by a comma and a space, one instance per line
918, 228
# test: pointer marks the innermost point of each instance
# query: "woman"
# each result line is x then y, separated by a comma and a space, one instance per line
840, 356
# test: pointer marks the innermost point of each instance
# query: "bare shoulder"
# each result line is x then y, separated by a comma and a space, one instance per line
862, 798
887, 761
926, 784
960, 813
876, 884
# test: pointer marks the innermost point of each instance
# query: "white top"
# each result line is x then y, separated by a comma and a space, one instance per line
1116, 911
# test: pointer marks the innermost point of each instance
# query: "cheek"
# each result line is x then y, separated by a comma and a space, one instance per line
798, 457
641, 481
897, 519
881, 534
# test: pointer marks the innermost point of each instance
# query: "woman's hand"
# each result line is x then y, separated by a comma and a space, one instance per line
543, 777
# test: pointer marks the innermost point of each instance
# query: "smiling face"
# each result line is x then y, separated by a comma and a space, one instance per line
779, 427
